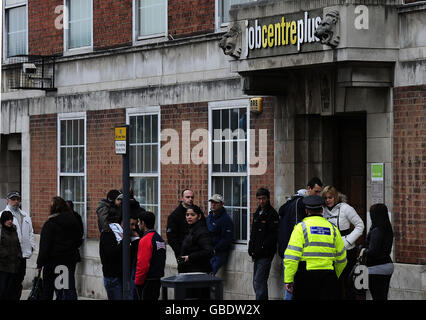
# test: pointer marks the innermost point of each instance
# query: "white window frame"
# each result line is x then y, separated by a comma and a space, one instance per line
73, 116
80, 50
4, 24
221, 26
230, 104
145, 39
145, 111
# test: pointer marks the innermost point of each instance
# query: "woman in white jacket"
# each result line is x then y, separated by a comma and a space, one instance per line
342, 215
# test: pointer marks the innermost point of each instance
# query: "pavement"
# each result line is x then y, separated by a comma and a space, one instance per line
26, 293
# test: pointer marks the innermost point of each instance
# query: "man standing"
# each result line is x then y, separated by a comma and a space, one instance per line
291, 213
177, 227
108, 207
151, 260
221, 229
315, 256
263, 242
24, 228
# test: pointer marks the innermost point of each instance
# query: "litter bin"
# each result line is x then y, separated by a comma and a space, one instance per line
183, 281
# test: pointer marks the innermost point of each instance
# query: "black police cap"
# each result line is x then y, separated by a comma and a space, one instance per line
313, 202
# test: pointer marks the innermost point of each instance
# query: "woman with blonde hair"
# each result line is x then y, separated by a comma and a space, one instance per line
342, 215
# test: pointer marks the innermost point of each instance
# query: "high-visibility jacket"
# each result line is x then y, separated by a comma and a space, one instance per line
317, 242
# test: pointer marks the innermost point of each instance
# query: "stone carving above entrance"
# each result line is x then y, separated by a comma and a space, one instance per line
328, 31
231, 42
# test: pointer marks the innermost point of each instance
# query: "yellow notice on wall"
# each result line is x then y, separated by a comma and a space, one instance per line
120, 134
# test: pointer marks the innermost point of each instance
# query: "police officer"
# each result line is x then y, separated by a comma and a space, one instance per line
315, 256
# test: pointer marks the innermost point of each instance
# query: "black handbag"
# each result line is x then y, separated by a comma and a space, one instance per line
355, 273
37, 288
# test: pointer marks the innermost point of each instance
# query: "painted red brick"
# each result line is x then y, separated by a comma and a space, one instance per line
409, 180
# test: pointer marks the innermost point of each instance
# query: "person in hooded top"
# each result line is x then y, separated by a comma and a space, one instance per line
10, 253
60, 239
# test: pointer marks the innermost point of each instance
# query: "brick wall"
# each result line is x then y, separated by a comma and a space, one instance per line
112, 23
176, 177
409, 177
190, 17
104, 167
43, 136
265, 120
43, 37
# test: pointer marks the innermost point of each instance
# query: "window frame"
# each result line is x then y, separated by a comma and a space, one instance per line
137, 39
145, 111
220, 25
73, 116
79, 50
5, 21
222, 105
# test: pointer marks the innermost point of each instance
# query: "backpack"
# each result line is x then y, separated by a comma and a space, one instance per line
286, 223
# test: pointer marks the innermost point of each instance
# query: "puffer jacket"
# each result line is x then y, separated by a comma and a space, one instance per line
198, 246
60, 239
10, 249
342, 216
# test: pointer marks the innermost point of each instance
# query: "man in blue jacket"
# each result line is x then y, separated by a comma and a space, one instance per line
221, 229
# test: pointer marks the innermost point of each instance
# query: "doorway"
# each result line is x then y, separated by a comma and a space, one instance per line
349, 161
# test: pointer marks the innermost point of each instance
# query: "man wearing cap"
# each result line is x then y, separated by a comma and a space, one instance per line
315, 256
24, 228
221, 229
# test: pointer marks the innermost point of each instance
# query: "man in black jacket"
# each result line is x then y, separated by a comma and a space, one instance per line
263, 242
177, 227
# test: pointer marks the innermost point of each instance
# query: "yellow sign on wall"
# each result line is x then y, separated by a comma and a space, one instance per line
120, 134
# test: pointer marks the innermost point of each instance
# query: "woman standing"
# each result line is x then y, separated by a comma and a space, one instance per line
10, 255
342, 215
196, 251
377, 252
60, 238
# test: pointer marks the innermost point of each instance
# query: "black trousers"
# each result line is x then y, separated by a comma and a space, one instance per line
379, 286
315, 285
15, 284
150, 290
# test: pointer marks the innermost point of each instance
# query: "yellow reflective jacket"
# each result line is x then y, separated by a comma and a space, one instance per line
317, 242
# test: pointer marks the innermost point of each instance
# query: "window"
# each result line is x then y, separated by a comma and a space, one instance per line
80, 16
151, 18
72, 160
144, 142
228, 165
224, 6
16, 27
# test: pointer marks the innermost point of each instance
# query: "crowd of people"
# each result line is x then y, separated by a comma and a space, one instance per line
314, 233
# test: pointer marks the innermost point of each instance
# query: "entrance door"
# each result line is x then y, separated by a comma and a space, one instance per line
350, 161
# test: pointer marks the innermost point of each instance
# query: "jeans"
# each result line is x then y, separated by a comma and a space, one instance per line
50, 282
287, 295
113, 288
260, 277
218, 261
6, 280
379, 286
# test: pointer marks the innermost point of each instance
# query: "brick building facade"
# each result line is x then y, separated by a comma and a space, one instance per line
171, 76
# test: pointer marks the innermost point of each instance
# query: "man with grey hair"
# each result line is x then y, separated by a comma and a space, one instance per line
24, 228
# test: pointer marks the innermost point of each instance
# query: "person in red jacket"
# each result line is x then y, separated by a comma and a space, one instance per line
151, 260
